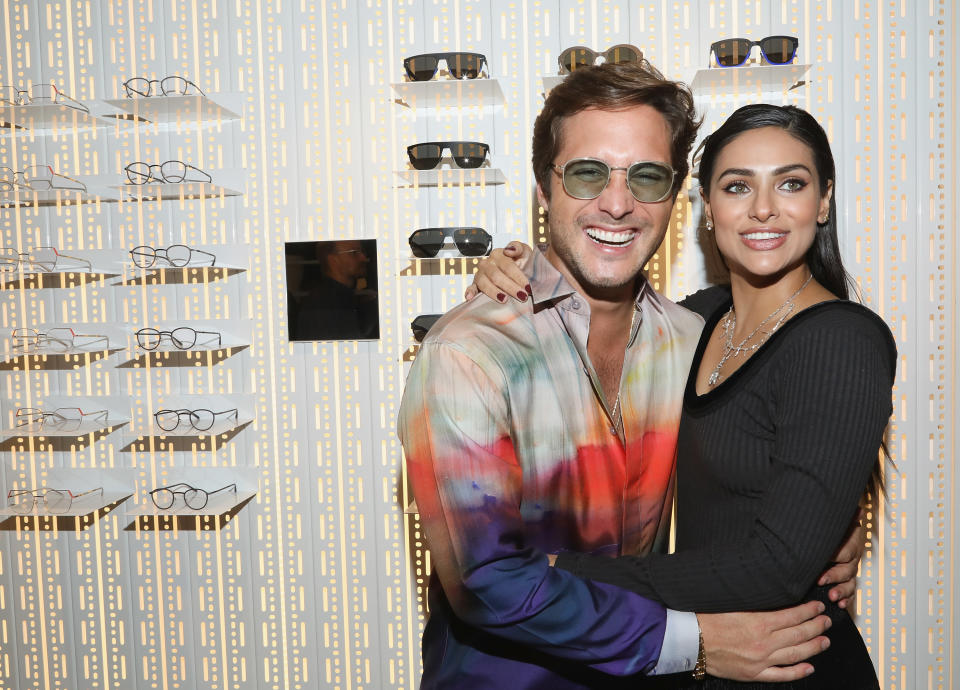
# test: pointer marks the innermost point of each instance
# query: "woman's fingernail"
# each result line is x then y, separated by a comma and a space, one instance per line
529, 290
522, 296
501, 297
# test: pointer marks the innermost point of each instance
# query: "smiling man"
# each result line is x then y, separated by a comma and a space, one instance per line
550, 425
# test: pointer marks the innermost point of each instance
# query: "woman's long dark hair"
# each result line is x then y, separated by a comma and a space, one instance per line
823, 257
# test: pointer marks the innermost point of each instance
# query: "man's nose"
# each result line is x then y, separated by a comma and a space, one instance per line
616, 198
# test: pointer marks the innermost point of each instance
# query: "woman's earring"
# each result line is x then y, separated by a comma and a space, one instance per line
823, 221
709, 225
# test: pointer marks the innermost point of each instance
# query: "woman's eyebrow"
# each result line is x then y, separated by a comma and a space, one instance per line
747, 172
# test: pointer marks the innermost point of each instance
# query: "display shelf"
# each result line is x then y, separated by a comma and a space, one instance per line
47, 116
187, 275
448, 93
167, 191
194, 441
54, 361
450, 177
26, 198
180, 110
195, 357
74, 520
731, 81
454, 264
52, 280
549, 81
22, 441
187, 520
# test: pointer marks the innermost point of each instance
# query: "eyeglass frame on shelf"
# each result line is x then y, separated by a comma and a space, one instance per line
13, 493
18, 179
169, 488
150, 82
155, 332
30, 100
192, 415
41, 417
42, 337
155, 255
150, 177
15, 263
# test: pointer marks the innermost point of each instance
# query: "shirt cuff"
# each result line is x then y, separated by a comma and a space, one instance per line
681, 643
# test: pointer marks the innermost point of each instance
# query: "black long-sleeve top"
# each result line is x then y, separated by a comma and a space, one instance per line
771, 465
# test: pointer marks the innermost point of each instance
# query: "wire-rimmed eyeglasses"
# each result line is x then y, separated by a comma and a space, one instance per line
44, 259
176, 255
38, 94
167, 86
649, 182
200, 419
53, 500
58, 340
62, 418
182, 338
170, 172
38, 178
163, 497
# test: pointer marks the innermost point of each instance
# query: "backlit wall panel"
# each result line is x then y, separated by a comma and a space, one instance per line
314, 577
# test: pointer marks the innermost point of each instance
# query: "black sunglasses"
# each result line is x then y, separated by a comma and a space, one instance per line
426, 243
460, 65
466, 154
422, 324
776, 50
578, 57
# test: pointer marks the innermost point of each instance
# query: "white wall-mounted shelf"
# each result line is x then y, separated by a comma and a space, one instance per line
182, 110
451, 177
721, 82
448, 93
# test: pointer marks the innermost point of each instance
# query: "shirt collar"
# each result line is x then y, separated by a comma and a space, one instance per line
549, 285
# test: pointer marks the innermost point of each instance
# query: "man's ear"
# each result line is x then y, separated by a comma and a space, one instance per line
542, 199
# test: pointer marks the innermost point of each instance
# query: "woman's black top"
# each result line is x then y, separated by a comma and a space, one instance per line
771, 465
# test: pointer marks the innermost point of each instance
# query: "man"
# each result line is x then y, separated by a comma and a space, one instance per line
334, 307
551, 425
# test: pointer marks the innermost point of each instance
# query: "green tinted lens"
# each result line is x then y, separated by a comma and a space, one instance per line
650, 182
585, 179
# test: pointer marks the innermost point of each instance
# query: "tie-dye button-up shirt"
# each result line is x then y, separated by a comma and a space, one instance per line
512, 454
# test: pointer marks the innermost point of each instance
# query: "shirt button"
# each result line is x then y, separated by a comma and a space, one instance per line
613, 430
575, 303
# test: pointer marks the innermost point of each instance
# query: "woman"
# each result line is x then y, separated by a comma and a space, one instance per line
786, 402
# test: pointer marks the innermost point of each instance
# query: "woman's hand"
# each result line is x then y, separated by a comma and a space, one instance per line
501, 274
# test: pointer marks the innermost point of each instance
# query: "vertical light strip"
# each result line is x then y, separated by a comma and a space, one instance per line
101, 606
221, 604
952, 620
271, 357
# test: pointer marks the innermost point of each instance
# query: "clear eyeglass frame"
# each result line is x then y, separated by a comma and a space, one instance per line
53, 500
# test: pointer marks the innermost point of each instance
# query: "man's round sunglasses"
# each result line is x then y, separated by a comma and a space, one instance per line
586, 178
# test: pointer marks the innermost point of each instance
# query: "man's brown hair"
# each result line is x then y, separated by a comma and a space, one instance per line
614, 87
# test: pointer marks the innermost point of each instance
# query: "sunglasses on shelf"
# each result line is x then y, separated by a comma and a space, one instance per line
578, 57
426, 243
422, 324
459, 65
585, 178
776, 50
466, 154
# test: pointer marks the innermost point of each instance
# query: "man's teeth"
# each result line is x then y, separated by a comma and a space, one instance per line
763, 235
607, 237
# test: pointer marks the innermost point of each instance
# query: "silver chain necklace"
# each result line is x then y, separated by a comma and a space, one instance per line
730, 323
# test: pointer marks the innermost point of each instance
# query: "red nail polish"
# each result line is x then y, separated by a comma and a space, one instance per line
501, 297
529, 290
522, 296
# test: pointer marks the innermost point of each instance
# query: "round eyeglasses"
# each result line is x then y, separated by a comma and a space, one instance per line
586, 178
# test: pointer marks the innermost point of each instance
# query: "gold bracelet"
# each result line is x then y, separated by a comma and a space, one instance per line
700, 670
